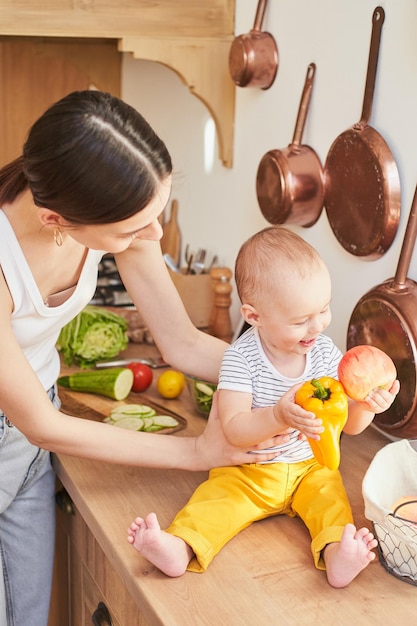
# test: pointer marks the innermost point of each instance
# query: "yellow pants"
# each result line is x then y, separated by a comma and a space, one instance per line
234, 497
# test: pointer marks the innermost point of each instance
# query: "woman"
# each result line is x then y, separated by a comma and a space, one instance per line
93, 178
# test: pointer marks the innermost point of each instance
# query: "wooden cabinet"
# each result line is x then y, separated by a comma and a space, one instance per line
192, 37
86, 590
265, 575
37, 71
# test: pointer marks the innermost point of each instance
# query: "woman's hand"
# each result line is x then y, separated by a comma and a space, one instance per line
277, 440
215, 451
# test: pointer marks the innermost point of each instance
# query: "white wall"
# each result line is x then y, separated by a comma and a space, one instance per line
219, 210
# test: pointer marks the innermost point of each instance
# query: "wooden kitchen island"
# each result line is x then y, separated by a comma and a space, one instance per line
263, 576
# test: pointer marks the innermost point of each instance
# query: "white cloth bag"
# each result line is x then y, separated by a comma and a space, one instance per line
391, 475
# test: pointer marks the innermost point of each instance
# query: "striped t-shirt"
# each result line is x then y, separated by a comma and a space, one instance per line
246, 368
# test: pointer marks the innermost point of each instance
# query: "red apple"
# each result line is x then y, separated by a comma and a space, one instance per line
363, 368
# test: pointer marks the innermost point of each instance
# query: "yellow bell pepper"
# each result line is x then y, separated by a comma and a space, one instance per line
326, 398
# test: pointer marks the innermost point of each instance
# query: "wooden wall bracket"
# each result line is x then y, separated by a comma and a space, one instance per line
192, 37
202, 65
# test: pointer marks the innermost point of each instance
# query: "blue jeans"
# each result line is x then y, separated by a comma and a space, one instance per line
27, 527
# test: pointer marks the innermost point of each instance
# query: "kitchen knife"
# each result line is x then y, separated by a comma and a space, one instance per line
155, 363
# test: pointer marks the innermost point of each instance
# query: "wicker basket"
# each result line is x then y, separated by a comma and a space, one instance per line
391, 475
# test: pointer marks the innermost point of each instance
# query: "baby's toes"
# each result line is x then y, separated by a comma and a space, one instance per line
134, 526
364, 534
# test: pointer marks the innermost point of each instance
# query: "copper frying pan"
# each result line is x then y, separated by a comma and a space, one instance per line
289, 182
386, 317
253, 57
362, 186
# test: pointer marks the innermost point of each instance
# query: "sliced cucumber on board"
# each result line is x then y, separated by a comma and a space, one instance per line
140, 417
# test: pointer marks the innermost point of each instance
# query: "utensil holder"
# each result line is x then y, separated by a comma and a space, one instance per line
196, 293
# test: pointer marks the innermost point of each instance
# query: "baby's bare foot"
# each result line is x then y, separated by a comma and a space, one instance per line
170, 554
344, 560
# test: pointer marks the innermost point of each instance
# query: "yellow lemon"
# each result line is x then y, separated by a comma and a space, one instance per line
170, 383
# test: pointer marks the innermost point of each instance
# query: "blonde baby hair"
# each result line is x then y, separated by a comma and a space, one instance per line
273, 256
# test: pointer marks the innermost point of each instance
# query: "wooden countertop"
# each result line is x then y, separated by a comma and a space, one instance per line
265, 575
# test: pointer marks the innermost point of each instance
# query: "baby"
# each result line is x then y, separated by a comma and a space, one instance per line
285, 291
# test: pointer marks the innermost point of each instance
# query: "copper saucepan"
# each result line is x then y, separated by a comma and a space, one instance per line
361, 180
289, 182
386, 317
253, 57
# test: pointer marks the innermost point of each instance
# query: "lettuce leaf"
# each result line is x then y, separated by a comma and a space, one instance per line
95, 334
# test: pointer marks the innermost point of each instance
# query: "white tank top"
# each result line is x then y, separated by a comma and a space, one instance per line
35, 325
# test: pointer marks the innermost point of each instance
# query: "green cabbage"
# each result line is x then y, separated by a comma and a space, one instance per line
95, 334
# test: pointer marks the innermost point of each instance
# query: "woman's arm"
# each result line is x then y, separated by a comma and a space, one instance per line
182, 345
28, 407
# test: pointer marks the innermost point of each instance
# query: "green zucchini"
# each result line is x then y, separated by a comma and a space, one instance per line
114, 382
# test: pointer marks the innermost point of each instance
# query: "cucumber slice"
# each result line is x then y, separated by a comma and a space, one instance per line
202, 393
120, 413
152, 428
203, 388
165, 421
120, 416
147, 422
159, 422
134, 409
130, 423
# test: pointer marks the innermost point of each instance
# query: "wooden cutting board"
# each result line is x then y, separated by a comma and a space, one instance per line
97, 408
171, 238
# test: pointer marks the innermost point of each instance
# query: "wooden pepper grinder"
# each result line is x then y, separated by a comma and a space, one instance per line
220, 323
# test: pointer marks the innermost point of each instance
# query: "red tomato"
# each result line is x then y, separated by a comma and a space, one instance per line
142, 376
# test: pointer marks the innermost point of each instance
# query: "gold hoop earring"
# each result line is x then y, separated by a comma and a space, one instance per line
58, 237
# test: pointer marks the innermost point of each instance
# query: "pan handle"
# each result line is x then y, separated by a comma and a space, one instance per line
304, 104
378, 18
407, 247
259, 17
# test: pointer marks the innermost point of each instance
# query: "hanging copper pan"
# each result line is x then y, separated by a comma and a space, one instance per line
253, 57
386, 317
362, 186
289, 182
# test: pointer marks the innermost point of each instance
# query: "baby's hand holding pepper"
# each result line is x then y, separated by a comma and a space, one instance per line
288, 414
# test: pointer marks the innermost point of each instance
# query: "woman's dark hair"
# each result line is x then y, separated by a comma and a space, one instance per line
90, 157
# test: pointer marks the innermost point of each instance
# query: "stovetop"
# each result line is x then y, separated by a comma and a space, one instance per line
110, 290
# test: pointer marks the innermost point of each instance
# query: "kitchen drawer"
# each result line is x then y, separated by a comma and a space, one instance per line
93, 585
